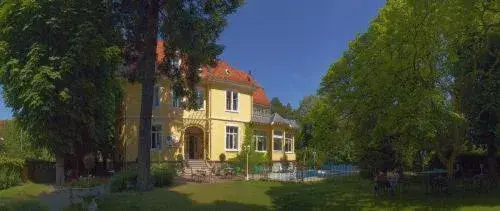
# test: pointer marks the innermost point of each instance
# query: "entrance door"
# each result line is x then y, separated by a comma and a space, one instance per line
193, 147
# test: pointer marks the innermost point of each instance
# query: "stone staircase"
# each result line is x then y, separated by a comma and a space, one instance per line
195, 165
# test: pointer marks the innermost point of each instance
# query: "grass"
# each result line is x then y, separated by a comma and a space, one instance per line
341, 194
23, 197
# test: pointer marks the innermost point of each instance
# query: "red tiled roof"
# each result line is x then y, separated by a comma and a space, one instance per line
223, 71
260, 97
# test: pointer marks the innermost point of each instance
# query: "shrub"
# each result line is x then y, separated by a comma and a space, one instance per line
125, 180
162, 174
11, 172
222, 157
8, 178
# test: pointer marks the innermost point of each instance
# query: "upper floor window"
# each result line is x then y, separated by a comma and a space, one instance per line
156, 96
260, 141
231, 101
288, 142
176, 99
231, 138
278, 140
200, 98
156, 136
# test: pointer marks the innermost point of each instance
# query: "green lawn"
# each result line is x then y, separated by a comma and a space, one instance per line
342, 194
22, 197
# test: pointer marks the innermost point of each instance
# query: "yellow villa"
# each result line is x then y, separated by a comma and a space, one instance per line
228, 98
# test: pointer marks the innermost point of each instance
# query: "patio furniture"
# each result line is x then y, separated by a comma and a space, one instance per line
228, 173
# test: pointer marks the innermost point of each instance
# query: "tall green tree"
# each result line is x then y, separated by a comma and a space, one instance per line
397, 81
58, 65
284, 110
190, 30
476, 71
305, 121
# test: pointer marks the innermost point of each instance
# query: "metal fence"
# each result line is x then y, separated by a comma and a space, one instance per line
296, 173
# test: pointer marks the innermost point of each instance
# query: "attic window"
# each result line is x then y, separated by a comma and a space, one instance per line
227, 72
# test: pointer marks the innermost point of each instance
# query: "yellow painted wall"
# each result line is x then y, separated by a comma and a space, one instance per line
218, 103
175, 120
218, 143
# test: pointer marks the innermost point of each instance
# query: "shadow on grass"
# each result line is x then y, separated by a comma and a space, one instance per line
166, 199
356, 194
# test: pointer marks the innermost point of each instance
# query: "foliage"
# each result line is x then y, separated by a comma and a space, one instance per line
222, 157
248, 149
305, 121
163, 174
11, 172
63, 100
18, 144
383, 158
285, 111
122, 181
9, 178
309, 158
411, 77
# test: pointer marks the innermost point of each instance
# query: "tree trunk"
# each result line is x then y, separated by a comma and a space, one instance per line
144, 178
59, 170
492, 162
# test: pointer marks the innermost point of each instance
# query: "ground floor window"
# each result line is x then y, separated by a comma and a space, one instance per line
156, 136
288, 142
278, 140
231, 138
260, 141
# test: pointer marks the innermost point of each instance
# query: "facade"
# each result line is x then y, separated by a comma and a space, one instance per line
228, 99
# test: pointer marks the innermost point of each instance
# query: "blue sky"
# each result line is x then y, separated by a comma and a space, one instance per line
289, 44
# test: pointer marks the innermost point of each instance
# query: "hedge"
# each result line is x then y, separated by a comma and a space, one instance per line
11, 172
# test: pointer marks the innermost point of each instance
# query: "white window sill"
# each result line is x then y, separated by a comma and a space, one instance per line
264, 151
231, 111
274, 150
290, 152
232, 150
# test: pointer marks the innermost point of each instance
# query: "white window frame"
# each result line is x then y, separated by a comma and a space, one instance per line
290, 139
231, 101
156, 96
234, 139
260, 134
278, 137
159, 137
